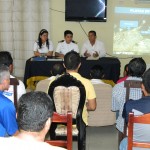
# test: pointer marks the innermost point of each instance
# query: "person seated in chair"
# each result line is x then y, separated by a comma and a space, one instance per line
142, 106
136, 69
97, 76
66, 45
34, 114
93, 47
57, 70
72, 63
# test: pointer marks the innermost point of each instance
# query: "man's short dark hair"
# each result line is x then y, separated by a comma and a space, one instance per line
72, 60
68, 32
5, 58
97, 72
57, 69
136, 67
93, 32
34, 108
146, 80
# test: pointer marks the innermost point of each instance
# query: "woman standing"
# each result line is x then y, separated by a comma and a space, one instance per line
43, 46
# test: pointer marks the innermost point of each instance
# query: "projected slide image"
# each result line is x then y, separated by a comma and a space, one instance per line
132, 31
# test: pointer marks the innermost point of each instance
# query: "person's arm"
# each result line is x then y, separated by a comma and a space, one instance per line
59, 55
58, 51
36, 53
9, 119
102, 51
50, 53
91, 104
51, 48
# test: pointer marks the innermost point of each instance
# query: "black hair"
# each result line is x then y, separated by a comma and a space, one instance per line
68, 32
126, 69
136, 67
34, 108
97, 72
146, 80
57, 69
92, 31
39, 38
5, 58
72, 60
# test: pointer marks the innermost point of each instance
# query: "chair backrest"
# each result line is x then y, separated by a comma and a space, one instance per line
59, 118
14, 82
64, 88
130, 84
103, 115
143, 119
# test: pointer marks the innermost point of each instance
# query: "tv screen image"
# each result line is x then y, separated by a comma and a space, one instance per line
86, 10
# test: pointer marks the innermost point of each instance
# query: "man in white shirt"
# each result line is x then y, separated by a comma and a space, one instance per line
6, 59
34, 114
93, 47
66, 45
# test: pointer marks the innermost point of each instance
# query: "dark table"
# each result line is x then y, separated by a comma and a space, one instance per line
39, 70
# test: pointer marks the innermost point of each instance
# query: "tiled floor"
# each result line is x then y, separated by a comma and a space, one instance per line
100, 138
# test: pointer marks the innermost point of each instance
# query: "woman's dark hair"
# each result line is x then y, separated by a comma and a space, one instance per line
39, 38
97, 72
136, 67
146, 80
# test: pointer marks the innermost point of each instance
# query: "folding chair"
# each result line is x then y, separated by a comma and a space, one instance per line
59, 118
143, 119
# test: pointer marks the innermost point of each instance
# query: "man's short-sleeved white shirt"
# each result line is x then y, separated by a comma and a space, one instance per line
64, 48
44, 48
98, 47
10, 92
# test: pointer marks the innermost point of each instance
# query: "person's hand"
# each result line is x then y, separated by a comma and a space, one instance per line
86, 54
95, 54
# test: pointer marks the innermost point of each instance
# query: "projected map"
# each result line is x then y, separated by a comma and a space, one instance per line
132, 31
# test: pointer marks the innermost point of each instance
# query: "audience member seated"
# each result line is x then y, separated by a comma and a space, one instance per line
66, 45
6, 58
136, 68
125, 74
43, 46
93, 47
141, 106
8, 123
97, 74
56, 71
35, 110
72, 63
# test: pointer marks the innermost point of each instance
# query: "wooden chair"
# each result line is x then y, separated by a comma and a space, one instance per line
128, 84
59, 118
14, 82
144, 119
69, 94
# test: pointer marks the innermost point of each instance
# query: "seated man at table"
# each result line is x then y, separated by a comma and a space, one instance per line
97, 76
93, 47
56, 71
6, 58
136, 68
66, 45
72, 63
140, 106
34, 115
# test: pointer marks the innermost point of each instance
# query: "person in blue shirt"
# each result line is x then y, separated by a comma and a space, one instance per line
8, 123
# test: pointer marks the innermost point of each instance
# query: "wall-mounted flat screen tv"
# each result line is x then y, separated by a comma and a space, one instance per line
86, 10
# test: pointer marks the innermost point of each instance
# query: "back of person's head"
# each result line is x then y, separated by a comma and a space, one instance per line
93, 32
5, 58
125, 73
68, 32
146, 80
4, 73
72, 60
97, 72
136, 67
34, 109
57, 69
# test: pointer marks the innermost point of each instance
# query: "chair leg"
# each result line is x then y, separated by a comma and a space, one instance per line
82, 138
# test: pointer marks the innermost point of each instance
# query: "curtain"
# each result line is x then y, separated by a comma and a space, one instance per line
20, 24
